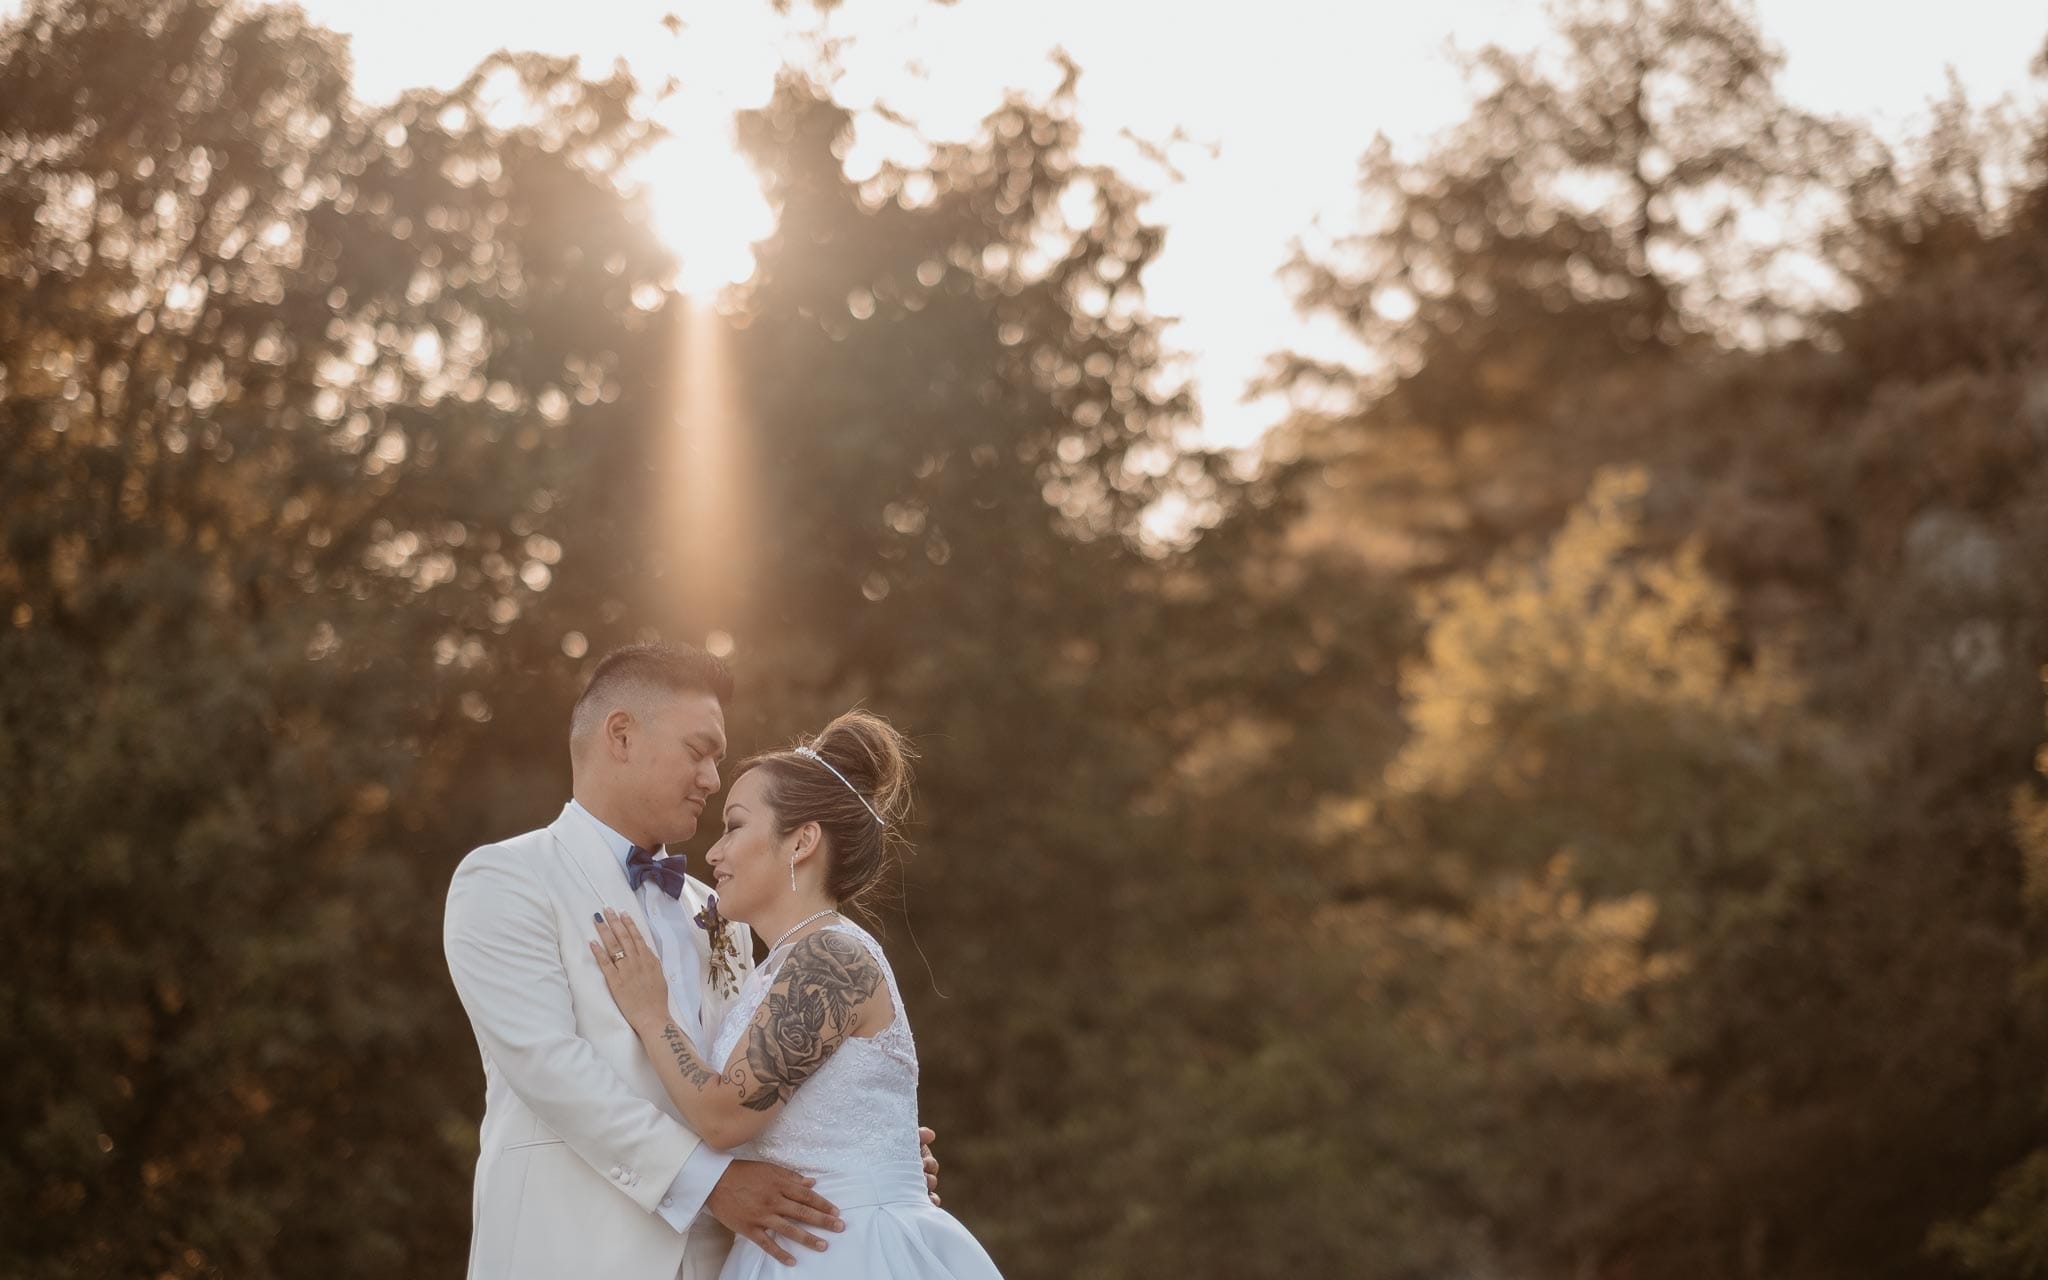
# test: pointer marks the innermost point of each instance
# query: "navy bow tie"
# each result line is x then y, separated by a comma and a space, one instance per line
668, 874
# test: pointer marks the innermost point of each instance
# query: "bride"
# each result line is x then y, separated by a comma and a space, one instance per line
819, 1072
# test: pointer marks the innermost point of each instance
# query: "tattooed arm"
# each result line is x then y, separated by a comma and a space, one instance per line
828, 989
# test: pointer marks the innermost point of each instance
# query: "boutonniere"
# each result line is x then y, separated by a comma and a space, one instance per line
724, 977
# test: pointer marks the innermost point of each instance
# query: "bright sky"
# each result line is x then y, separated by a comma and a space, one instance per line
1288, 93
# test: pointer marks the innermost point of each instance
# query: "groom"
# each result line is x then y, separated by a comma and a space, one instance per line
585, 1169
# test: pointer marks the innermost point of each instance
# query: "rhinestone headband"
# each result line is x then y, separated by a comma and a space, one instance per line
809, 754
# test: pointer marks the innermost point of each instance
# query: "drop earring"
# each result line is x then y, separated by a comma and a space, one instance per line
792, 872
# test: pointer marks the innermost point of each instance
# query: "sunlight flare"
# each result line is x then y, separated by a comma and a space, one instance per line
706, 202
709, 532
705, 198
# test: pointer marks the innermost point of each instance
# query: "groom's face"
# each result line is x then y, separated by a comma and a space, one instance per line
674, 770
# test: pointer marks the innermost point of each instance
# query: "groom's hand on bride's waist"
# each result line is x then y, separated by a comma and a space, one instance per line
925, 1138
767, 1203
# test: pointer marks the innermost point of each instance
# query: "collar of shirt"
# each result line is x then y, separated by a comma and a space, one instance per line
621, 848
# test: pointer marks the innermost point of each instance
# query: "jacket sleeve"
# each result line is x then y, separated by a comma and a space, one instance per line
506, 959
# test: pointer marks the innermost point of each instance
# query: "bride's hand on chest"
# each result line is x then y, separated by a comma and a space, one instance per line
632, 972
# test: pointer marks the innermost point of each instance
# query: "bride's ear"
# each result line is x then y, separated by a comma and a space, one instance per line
807, 838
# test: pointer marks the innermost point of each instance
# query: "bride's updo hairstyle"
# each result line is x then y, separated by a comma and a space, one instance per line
873, 759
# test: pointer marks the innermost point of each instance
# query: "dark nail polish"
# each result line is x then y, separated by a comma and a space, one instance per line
597, 916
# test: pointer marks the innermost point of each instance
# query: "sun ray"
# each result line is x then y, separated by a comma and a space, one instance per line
711, 477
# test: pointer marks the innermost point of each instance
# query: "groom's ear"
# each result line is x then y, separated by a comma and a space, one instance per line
619, 728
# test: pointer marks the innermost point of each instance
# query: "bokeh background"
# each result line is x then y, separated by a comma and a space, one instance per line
1546, 782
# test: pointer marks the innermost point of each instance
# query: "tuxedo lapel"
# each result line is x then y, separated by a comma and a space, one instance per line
583, 845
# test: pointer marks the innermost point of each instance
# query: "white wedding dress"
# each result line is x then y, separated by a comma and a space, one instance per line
853, 1127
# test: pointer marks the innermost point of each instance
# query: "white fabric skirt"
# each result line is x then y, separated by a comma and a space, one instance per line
893, 1232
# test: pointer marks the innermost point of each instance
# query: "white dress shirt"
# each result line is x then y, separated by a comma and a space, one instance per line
666, 920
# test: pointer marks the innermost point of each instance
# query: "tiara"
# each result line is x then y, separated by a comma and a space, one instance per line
809, 754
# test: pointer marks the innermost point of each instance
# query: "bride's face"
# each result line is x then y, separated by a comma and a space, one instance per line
750, 863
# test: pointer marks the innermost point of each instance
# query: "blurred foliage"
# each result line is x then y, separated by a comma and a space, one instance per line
285, 386
1575, 811
1695, 873
2008, 1238
1628, 195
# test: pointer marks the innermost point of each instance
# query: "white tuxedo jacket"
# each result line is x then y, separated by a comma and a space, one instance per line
580, 1141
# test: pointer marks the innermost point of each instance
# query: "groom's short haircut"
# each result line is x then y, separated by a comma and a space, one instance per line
629, 675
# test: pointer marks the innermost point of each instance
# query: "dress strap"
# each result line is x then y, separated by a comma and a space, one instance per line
895, 1037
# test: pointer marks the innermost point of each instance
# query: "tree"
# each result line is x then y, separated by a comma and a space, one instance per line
289, 394
1818, 1050
1600, 214
1594, 797
2009, 1236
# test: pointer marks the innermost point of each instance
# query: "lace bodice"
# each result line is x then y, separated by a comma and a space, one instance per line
860, 1108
